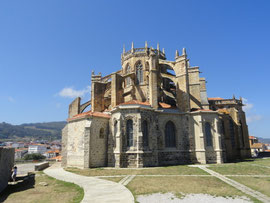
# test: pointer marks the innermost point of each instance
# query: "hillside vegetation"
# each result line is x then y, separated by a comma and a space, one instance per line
48, 131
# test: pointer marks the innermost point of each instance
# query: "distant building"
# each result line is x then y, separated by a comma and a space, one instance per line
8, 144
40, 149
56, 147
256, 146
19, 153
52, 153
18, 145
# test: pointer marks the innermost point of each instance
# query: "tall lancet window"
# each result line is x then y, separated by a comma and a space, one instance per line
170, 134
128, 80
208, 134
145, 133
139, 73
129, 132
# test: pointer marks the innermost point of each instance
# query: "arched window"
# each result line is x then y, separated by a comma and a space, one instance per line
145, 133
101, 133
232, 133
128, 80
115, 128
170, 134
129, 133
208, 134
139, 73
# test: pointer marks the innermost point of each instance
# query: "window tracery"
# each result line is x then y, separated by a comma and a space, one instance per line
139, 73
129, 132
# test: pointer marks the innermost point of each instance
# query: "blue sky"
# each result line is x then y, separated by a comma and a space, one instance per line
49, 48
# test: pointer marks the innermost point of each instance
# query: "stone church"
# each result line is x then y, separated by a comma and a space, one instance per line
153, 112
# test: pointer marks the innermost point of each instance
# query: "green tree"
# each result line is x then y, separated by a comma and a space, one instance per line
33, 157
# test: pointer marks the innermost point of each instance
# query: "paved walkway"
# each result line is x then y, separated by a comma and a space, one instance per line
25, 168
95, 190
237, 185
127, 179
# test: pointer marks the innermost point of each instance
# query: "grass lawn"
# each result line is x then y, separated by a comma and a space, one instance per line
259, 184
31, 191
250, 167
178, 185
168, 170
262, 162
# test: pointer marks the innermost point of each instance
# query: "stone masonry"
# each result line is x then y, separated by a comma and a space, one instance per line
153, 112
6, 164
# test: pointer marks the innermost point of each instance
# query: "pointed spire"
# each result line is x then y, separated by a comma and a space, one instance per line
158, 46
163, 50
233, 97
146, 45
124, 49
132, 45
241, 99
176, 53
184, 52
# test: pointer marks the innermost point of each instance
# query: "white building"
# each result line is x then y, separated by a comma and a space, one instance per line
17, 145
34, 149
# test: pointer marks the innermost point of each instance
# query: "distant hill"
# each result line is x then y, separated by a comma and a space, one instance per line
48, 131
264, 140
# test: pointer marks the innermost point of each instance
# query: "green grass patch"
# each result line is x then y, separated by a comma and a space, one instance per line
182, 185
249, 167
256, 183
168, 170
32, 191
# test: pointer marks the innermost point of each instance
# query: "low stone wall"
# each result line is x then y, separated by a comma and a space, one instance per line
41, 166
6, 164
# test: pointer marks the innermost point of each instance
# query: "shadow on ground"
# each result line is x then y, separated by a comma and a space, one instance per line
18, 187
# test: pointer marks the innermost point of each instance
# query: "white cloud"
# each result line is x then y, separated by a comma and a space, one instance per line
70, 92
11, 99
248, 106
252, 118
250, 112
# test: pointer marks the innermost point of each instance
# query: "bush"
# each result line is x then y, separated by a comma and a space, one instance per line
33, 157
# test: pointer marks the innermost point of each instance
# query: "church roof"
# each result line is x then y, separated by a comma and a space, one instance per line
161, 104
135, 102
215, 98
89, 113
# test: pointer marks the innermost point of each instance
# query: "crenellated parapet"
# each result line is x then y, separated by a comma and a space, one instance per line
142, 52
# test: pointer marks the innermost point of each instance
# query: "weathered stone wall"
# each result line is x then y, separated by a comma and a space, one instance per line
6, 164
194, 88
74, 107
156, 152
85, 143
98, 142
64, 146
76, 143
203, 153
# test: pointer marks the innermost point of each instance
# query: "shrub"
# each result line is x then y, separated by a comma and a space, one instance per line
33, 157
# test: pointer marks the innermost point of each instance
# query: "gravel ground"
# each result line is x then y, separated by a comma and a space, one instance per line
198, 198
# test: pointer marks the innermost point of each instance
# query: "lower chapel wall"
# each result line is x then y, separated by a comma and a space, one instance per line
173, 157
98, 142
91, 143
76, 143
